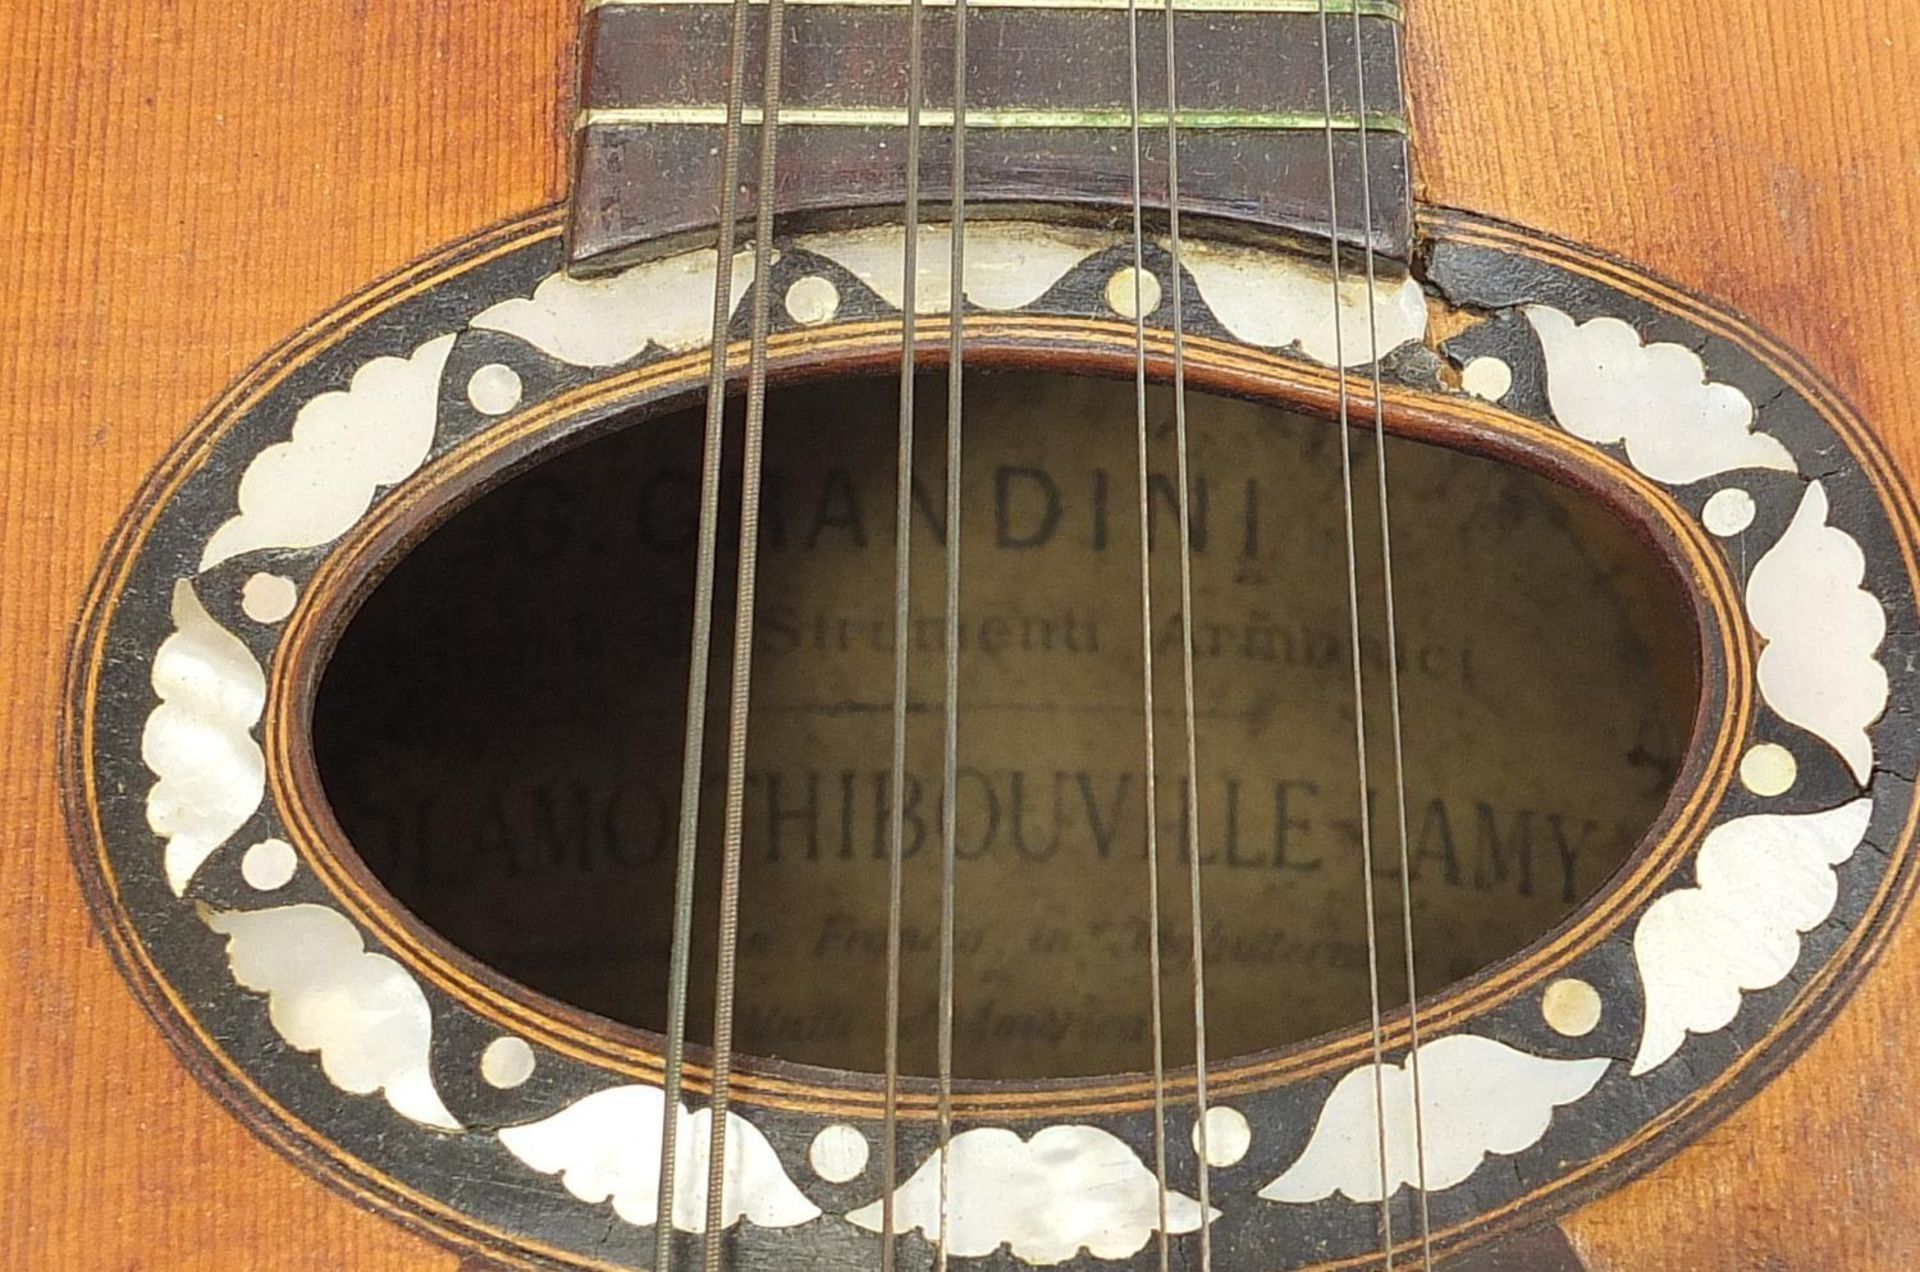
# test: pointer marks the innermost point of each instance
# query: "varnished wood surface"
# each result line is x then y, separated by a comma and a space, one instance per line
181, 187
1763, 152
183, 184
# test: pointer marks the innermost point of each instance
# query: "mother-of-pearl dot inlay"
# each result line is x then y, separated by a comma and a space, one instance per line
1728, 512
1769, 769
1488, 378
838, 1153
1228, 1136
269, 864
268, 598
1571, 1007
506, 1063
495, 389
1120, 289
813, 300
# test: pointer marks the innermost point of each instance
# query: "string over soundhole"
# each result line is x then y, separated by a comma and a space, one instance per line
511, 771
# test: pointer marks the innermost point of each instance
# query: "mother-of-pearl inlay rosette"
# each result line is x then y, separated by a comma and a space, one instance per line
268, 934
1607, 386
1822, 630
1477, 1097
606, 1147
1047, 1198
1763, 880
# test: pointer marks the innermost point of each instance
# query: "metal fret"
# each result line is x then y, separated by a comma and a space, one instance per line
990, 117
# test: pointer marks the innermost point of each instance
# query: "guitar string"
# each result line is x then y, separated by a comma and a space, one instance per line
1393, 643
902, 579
728, 936
748, 554
1191, 804
1155, 1006
1359, 674
700, 650
950, 743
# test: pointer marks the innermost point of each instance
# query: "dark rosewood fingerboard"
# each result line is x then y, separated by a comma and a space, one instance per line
1048, 115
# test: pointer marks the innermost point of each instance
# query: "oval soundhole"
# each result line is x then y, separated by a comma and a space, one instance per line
499, 731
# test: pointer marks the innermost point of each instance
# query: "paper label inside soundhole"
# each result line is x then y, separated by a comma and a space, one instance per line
500, 730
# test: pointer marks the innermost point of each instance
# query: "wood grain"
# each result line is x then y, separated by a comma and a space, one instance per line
184, 185
181, 184
853, 58
1763, 152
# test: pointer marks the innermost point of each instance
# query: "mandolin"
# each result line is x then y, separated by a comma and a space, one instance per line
923, 634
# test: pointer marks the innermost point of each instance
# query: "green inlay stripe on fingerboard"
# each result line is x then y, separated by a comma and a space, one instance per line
993, 117
1387, 9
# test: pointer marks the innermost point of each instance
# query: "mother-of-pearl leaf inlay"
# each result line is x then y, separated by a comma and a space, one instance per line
1047, 1198
1009, 264
198, 743
1477, 1097
1277, 301
602, 322
1606, 386
606, 1147
362, 1012
1763, 880
346, 445
1822, 631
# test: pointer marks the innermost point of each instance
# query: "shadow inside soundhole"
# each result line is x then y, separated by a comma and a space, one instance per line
500, 729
